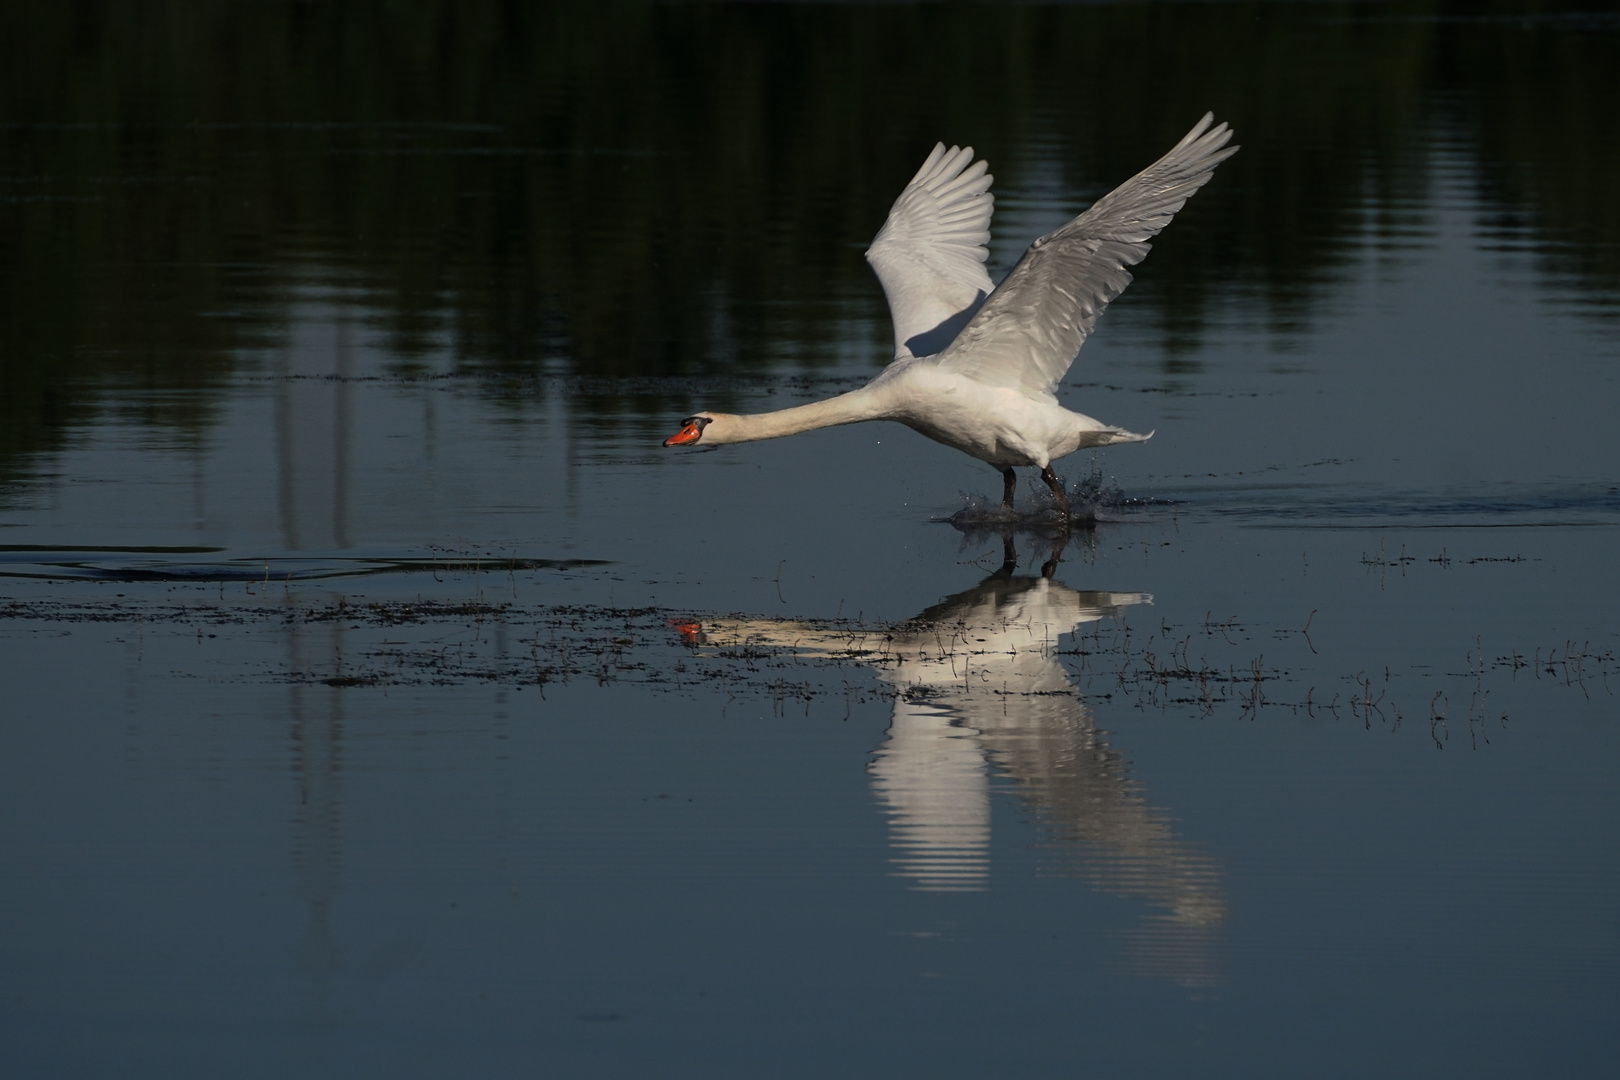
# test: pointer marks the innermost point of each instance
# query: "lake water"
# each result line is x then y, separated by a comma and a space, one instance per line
380, 696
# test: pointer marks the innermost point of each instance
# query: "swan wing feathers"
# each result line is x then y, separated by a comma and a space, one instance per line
930, 253
1027, 333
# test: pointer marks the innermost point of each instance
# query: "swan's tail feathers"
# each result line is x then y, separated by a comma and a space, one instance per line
1108, 435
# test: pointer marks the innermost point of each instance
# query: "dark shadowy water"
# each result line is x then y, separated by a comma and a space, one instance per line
381, 696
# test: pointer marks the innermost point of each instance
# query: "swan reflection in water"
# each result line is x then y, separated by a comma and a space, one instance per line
982, 700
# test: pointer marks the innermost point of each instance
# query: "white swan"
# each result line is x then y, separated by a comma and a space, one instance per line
976, 365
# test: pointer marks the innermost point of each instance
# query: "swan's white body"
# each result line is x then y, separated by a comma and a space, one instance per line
977, 366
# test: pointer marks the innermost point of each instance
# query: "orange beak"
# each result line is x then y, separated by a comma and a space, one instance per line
688, 434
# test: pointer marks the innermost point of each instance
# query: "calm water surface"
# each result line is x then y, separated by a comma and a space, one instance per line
380, 695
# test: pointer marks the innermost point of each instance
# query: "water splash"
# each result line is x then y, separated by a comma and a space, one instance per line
1092, 498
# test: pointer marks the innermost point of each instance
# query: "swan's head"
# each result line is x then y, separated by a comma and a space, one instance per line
691, 430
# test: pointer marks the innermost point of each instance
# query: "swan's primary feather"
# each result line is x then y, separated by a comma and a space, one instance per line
930, 253
1026, 334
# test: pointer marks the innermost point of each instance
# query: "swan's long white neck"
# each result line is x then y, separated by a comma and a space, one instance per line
850, 408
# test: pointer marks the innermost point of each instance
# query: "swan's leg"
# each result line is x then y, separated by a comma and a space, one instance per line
1009, 488
1059, 498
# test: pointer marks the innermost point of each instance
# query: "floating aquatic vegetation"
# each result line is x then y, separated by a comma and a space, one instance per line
1107, 652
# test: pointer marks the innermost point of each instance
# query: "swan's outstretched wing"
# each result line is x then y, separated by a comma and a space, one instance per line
930, 254
1026, 334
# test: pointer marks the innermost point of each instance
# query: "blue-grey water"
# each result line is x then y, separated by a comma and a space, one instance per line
381, 697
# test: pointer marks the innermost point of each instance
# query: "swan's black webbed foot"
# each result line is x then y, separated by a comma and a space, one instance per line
1009, 488
1060, 498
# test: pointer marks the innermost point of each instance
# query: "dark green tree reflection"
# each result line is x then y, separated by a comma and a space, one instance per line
611, 190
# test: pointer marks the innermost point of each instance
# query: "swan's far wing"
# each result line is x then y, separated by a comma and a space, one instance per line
930, 253
1027, 333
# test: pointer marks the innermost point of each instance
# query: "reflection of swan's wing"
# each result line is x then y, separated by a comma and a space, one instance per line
1027, 333
1048, 744
930, 774
1040, 734
930, 253
1102, 828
